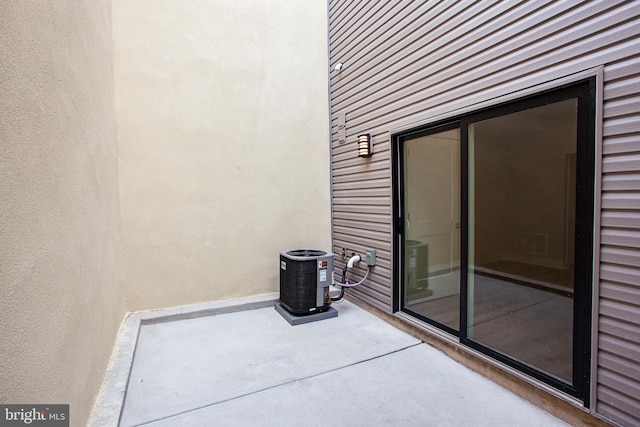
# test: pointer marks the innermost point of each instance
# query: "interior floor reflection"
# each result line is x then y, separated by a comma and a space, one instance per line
533, 325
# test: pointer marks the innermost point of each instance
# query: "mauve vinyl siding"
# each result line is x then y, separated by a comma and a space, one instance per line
409, 62
618, 382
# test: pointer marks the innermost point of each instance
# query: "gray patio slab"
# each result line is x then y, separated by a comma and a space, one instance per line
252, 368
183, 365
417, 386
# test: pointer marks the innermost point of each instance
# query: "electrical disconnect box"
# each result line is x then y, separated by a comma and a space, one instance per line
371, 257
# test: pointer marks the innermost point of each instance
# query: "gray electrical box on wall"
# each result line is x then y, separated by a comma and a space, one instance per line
371, 257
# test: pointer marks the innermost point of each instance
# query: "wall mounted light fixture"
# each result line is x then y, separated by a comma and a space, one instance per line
365, 148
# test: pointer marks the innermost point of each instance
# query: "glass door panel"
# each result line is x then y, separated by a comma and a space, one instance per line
431, 241
522, 203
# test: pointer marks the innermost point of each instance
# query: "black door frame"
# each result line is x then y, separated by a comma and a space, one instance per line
585, 92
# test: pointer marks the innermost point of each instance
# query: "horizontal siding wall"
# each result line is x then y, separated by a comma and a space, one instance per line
618, 372
407, 63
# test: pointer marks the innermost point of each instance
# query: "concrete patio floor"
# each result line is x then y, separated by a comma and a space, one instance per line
251, 368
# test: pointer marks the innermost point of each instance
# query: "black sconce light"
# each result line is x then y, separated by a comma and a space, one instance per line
365, 149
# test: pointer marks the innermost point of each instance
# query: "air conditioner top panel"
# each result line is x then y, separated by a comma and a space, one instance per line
305, 254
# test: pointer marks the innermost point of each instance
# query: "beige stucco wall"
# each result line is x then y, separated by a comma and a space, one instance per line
60, 301
223, 139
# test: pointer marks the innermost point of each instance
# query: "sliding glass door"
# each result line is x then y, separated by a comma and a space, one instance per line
495, 231
521, 193
432, 226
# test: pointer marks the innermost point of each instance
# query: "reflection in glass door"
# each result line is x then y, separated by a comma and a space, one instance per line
522, 179
432, 227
